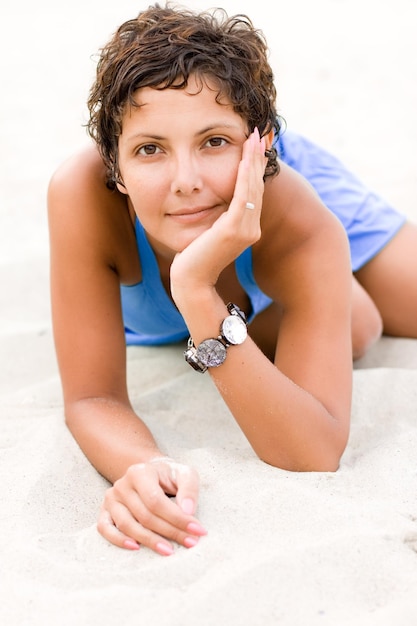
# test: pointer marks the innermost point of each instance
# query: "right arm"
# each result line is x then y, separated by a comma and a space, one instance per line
90, 229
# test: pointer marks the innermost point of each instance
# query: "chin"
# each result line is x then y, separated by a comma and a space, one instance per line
184, 239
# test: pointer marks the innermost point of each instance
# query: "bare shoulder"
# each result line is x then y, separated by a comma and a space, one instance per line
88, 215
298, 231
79, 186
293, 206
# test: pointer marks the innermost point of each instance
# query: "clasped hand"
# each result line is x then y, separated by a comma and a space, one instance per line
139, 508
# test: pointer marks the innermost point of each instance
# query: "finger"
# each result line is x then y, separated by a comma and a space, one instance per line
129, 528
150, 506
249, 182
256, 169
107, 528
123, 531
153, 508
187, 482
179, 477
184, 481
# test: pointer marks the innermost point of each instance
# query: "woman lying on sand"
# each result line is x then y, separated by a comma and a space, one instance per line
194, 216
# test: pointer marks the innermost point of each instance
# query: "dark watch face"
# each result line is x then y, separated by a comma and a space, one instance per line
211, 352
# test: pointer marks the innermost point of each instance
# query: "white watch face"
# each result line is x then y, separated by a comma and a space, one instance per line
234, 329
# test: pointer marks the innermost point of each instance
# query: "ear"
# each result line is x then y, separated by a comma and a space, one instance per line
269, 139
121, 188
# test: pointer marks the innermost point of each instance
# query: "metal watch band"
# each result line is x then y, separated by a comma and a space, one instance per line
212, 352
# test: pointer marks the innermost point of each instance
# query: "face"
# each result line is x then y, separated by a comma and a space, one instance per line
179, 153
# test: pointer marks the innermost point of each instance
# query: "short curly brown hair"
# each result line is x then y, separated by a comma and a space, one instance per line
161, 48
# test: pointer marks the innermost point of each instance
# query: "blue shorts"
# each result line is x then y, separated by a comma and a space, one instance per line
370, 223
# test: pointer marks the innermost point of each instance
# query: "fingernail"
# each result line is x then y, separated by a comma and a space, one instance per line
164, 549
190, 542
196, 529
187, 505
131, 545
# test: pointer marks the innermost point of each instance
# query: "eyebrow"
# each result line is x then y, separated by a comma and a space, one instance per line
204, 130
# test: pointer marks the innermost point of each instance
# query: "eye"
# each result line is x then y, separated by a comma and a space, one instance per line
216, 142
148, 149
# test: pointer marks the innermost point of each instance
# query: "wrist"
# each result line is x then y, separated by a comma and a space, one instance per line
212, 352
202, 309
162, 459
188, 297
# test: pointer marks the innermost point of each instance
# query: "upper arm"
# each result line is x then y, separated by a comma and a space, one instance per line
311, 279
85, 293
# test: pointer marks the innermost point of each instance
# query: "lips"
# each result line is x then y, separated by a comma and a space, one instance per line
192, 214
189, 211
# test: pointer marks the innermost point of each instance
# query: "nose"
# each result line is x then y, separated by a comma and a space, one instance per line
186, 175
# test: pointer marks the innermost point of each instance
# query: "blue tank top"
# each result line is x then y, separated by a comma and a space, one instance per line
151, 318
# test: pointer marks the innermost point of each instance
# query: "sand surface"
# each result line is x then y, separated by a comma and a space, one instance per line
290, 549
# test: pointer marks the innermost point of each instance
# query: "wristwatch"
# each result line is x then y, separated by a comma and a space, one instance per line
213, 352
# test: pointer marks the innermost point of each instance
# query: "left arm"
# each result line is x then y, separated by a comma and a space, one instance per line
295, 411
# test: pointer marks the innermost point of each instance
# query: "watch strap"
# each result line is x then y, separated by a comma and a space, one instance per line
212, 352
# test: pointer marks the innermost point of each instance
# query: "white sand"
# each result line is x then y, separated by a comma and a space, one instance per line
290, 549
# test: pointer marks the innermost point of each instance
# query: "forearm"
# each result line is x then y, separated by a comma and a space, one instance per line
110, 434
286, 425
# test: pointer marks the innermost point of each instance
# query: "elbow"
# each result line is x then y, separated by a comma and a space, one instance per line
324, 465
318, 465
324, 459
75, 415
